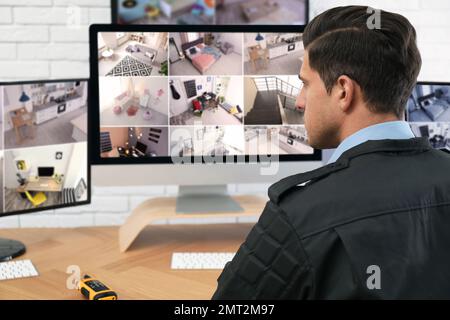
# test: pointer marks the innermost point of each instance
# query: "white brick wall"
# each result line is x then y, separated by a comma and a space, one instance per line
6, 16
47, 38
39, 41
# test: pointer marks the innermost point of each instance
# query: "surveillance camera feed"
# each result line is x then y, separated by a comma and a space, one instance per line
43, 145
200, 94
428, 111
223, 12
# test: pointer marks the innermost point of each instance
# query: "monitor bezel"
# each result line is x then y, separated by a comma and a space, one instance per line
115, 12
94, 97
88, 183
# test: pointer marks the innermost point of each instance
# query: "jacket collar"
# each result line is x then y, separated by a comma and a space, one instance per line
398, 129
412, 146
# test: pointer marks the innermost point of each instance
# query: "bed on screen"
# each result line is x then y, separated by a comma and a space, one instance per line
202, 56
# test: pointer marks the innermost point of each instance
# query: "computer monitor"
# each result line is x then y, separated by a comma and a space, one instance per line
46, 171
43, 149
207, 12
214, 105
428, 112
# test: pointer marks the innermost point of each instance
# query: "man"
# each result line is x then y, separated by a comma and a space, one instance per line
375, 221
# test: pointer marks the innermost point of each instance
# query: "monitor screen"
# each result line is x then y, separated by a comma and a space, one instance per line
43, 145
46, 171
207, 12
196, 92
428, 111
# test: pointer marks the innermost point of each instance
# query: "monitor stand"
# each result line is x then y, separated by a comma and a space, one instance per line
10, 249
206, 199
192, 202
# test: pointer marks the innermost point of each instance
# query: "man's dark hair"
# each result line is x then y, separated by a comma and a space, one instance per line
385, 62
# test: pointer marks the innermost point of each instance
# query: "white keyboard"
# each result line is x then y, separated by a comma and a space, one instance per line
15, 269
200, 260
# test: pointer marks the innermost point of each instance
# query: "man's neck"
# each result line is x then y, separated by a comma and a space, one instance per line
369, 120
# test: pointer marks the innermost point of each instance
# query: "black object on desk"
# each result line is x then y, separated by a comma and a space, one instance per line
9, 249
46, 171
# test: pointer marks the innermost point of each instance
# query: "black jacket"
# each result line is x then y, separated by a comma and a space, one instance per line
383, 204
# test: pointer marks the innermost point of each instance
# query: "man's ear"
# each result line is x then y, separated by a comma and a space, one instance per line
345, 92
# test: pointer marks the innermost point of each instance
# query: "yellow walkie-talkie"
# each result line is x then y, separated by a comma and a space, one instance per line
93, 289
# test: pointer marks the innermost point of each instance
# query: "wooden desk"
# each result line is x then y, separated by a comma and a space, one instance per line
143, 272
19, 118
256, 53
46, 184
210, 103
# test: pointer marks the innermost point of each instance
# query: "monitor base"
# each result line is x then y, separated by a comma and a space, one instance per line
206, 199
165, 208
10, 249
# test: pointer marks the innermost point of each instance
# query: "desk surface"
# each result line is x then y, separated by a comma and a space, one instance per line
259, 51
46, 184
143, 272
22, 117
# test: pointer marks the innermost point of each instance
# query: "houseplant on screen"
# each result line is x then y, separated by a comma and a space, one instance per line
163, 70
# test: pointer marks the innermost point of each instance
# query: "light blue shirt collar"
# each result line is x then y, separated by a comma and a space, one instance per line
380, 131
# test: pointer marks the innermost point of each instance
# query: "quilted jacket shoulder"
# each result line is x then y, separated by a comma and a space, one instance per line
322, 229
